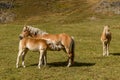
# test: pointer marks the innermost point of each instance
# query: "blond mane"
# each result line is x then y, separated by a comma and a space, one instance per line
34, 30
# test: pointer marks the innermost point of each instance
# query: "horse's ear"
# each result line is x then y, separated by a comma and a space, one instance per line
27, 27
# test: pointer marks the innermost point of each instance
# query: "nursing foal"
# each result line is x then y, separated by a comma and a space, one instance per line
39, 45
106, 38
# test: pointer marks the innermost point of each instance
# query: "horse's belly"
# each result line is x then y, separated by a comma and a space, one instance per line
56, 47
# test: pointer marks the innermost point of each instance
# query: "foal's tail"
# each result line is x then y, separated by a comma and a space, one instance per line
72, 49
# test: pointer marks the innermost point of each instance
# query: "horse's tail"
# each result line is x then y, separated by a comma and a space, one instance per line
72, 49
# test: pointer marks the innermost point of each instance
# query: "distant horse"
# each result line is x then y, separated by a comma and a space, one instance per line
39, 45
60, 41
106, 38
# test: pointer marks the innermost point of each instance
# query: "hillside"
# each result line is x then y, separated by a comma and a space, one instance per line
62, 11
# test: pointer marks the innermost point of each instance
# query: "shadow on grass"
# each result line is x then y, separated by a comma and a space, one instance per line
63, 64
77, 64
115, 54
36, 64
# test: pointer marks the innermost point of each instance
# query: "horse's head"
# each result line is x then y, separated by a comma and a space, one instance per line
25, 32
106, 29
31, 31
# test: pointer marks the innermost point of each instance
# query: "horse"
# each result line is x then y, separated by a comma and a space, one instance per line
106, 38
39, 45
59, 41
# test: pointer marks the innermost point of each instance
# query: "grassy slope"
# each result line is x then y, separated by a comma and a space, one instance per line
89, 62
62, 11
55, 11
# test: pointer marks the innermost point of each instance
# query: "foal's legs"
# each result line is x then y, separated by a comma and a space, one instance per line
41, 58
19, 54
44, 60
23, 57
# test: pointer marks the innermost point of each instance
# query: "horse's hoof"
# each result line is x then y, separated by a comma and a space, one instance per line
39, 67
103, 54
16, 66
24, 66
68, 65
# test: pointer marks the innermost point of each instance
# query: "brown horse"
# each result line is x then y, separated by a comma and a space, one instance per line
39, 45
106, 38
59, 41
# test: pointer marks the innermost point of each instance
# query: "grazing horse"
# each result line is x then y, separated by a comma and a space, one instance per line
59, 41
39, 45
106, 38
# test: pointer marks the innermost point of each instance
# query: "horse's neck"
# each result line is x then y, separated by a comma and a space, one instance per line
107, 33
46, 37
37, 36
42, 33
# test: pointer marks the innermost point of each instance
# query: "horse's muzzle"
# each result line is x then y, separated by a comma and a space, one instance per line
20, 37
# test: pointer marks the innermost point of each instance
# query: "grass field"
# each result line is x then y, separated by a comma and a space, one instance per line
61, 16
89, 62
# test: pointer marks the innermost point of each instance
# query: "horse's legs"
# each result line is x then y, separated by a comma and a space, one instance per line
19, 53
69, 57
41, 58
108, 49
69, 62
23, 57
104, 49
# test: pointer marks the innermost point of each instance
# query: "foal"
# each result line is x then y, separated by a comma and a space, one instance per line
106, 38
26, 44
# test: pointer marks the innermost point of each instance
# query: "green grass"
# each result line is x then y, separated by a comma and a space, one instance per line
89, 62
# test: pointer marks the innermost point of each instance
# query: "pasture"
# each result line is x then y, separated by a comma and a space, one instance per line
89, 62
